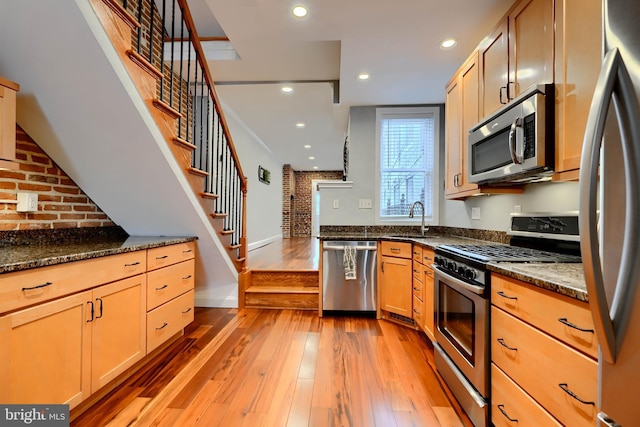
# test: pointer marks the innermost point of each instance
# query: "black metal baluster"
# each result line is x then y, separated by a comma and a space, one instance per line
151, 33
173, 36
202, 153
124, 4
189, 97
232, 201
181, 79
223, 188
194, 131
219, 164
207, 187
227, 184
140, 27
164, 14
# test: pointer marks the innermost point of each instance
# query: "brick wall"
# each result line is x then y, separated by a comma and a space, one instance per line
61, 203
301, 203
288, 191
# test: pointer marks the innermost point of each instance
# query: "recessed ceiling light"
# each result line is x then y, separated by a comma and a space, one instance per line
307, 146
311, 158
286, 89
300, 125
315, 167
299, 11
448, 43
363, 76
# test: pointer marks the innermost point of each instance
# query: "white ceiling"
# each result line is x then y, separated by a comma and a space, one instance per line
396, 42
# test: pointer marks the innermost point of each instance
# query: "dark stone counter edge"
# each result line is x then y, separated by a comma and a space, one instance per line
433, 243
128, 246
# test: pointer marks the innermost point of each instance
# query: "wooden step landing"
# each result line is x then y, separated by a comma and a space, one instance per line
289, 289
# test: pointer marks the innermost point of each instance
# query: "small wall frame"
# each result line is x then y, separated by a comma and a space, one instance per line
264, 175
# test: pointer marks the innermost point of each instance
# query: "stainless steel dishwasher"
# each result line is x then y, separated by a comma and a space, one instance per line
348, 284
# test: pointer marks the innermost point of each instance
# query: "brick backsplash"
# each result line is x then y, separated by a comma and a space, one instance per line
61, 203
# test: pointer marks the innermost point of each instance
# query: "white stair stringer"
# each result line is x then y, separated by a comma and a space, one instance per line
80, 105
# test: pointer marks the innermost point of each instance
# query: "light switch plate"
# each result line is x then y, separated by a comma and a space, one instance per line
336, 204
475, 213
365, 204
27, 202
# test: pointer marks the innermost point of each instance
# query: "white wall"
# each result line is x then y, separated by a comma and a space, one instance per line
264, 202
494, 210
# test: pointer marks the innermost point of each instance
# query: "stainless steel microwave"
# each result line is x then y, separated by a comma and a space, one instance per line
516, 144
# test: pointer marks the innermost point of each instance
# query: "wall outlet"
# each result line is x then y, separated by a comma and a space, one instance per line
27, 202
336, 204
365, 204
475, 213
517, 209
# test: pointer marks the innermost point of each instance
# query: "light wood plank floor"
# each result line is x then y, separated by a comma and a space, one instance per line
284, 368
297, 253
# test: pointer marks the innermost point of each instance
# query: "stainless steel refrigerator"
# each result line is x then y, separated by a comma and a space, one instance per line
610, 215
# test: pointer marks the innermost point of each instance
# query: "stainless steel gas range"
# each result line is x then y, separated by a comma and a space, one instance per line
462, 282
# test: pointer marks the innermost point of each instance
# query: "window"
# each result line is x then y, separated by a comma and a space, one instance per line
407, 162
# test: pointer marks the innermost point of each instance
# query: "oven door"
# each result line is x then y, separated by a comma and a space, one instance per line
462, 327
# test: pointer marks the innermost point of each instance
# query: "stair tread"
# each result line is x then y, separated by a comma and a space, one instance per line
282, 290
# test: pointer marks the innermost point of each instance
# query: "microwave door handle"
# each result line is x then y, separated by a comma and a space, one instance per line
513, 137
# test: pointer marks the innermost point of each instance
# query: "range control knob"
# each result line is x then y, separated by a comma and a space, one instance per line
461, 270
470, 274
451, 265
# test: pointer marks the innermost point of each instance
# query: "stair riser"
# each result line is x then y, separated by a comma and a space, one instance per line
285, 279
278, 300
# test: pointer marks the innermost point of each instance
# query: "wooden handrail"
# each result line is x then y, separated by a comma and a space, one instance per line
208, 78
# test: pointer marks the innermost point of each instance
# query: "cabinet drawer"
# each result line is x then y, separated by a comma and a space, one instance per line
167, 255
511, 406
167, 283
427, 256
168, 319
418, 288
417, 253
27, 287
542, 366
396, 249
417, 270
418, 311
547, 310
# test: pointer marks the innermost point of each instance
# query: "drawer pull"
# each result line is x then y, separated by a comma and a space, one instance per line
395, 249
187, 251
162, 287
416, 289
132, 264
99, 299
416, 311
187, 310
187, 277
416, 271
428, 258
162, 257
428, 272
502, 343
564, 321
503, 295
164, 325
92, 311
416, 253
44, 285
501, 408
565, 388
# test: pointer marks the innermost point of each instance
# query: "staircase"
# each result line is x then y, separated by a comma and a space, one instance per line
288, 289
129, 111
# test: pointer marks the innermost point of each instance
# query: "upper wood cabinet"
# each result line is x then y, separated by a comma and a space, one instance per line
8, 91
517, 54
578, 58
461, 113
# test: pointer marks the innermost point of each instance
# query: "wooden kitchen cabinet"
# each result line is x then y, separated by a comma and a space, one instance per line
395, 278
541, 359
461, 114
517, 54
62, 351
423, 292
8, 91
578, 59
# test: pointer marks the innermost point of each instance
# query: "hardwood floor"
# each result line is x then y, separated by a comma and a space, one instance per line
284, 368
296, 253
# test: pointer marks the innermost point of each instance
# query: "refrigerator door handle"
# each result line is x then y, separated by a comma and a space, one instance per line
614, 79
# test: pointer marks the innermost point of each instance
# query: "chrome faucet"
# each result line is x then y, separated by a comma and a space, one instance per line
413, 206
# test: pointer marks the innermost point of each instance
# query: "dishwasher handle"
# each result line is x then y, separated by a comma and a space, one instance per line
358, 248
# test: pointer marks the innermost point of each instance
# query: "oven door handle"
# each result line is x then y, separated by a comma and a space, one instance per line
513, 142
479, 290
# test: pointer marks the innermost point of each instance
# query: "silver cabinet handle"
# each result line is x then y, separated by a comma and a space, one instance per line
164, 325
501, 409
162, 287
614, 77
565, 388
503, 295
132, 264
187, 310
564, 321
43, 285
505, 345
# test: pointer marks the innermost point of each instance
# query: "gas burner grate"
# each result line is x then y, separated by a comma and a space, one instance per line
505, 253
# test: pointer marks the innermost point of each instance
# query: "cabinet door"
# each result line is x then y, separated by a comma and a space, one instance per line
453, 127
395, 285
469, 80
531, 41
578, 55
494, 65
429, 307
7, 121
45, 353
119, 328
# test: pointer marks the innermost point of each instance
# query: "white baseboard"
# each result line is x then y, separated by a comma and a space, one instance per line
263, 242
212, 301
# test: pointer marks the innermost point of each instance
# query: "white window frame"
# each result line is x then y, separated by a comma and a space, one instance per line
435, 190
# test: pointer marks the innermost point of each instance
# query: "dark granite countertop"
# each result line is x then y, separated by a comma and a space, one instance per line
26, 256
562, 278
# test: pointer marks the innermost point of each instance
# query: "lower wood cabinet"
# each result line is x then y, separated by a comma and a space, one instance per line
394, 283
538, 359
63, 350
